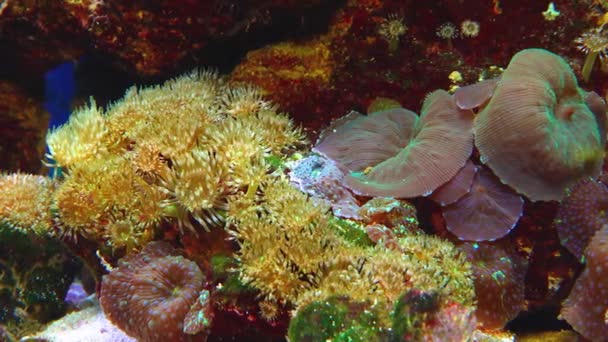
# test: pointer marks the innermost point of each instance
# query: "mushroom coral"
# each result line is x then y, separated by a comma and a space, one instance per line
586, 308
537, 133
476, 94
396, 153
149, 294
457, 187
488, 212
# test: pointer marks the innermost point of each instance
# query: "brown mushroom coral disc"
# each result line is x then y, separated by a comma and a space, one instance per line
149, 294
537, 133
395, 153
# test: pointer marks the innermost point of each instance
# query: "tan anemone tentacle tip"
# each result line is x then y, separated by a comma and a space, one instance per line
439, 146
537, 133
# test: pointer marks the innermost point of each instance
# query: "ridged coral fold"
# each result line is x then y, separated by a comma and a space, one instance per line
394, 153
537, 133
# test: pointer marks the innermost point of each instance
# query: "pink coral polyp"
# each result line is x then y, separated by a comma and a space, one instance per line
149, 294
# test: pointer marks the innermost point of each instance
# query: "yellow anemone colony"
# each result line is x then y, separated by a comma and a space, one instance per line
172, 152
198, 152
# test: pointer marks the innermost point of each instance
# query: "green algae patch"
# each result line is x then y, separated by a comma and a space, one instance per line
35, 274
336, 319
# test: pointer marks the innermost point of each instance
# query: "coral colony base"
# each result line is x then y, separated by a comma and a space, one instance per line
211, 217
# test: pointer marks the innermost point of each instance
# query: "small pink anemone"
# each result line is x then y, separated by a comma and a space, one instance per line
395, 153
538, 133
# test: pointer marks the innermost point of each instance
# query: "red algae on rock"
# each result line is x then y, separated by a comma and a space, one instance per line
391, 212
499, 282
149, 294
23, 122
580, 214
586, 307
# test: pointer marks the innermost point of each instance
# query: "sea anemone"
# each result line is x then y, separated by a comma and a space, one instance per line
149, 294
195, 184
87, 203
269, 310
586, 307
395, 153
245, 100
276, 130
239, 148
148, 162
284, 238
582, 212
487, 212
380, 274
391, 29
447, 31
537, 133
170, 117
498, 273
79, 202
25, 203
469, 28
594, 43
80, 139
